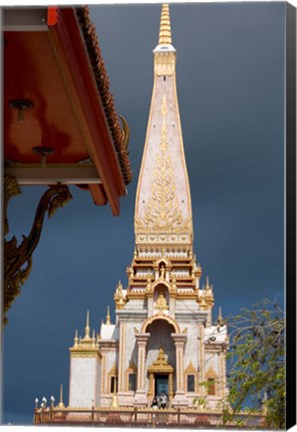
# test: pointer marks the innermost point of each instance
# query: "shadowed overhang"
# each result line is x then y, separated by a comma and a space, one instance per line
60, 123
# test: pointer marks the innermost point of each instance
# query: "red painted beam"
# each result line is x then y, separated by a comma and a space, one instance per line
68, 44
52, 15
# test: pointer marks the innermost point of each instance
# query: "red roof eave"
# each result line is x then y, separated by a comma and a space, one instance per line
71, 54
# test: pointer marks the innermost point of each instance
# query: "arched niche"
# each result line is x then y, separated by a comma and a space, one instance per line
160, 341
163, 268
161, 288
176, 328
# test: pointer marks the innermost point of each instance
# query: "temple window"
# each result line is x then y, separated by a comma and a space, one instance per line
211, 387
131, 377
190, 378
132, 382
113, 388
190, 383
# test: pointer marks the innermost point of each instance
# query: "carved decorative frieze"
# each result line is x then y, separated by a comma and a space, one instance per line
18, 257
163, 214
164, 63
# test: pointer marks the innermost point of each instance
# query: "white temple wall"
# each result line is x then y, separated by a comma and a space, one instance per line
83, 378
129, 347
186, 306
98, 384
191, 345
211, 360
130, 344
136, 304
110, 364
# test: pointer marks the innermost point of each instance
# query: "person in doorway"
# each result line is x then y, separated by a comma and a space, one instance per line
154, 404
163, 400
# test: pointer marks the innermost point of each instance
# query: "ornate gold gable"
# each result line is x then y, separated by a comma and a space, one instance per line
161, 365
190, 369
211, 373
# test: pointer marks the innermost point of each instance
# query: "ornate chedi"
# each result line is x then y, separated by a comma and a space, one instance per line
163, 337
163, 340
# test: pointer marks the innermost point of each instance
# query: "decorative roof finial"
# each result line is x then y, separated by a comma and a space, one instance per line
76, 338
120, 285
61, 404
87, 327
108, 316
220, 317
165, 29
207, 283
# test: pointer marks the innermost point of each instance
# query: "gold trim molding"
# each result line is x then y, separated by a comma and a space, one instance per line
160, 316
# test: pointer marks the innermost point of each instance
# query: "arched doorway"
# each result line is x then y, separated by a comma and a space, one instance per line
161, 377
160, 359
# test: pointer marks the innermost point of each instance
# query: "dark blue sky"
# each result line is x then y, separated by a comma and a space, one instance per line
230, 78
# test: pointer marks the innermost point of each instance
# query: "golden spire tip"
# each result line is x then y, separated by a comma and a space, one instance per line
61, 403
165, 28
87, 328
108, 316
220, 317
76, 338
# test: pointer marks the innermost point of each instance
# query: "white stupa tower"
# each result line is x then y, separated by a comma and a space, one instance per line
163, 339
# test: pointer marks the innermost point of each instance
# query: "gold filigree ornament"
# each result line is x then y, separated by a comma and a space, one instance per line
18, 257
163, 212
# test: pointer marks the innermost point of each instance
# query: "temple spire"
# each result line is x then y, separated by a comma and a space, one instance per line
220, 317
76, 338
61, 403
87, 327
165, 28
108, 316
163, 213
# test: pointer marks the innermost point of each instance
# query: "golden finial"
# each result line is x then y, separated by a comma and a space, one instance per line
114, 401
220, 317
108, 316
165, 29
61, 404
161, 355
120, 286
207, 283
93, 339
87, 327
76, 338
203, 304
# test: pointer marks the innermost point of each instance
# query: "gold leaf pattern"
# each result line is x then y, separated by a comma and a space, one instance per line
163, 212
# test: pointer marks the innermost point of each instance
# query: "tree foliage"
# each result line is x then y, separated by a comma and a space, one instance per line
256, 358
